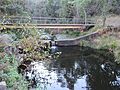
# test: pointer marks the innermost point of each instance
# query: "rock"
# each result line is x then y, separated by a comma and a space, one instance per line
5, 40
53, 49
3, 85
10, 50
45, 36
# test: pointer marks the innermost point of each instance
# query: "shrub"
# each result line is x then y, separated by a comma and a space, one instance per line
10, 75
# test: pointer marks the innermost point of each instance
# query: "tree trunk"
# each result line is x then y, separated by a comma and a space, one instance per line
85, 14
104, 20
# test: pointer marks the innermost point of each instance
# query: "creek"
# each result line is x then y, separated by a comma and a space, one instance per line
77, 68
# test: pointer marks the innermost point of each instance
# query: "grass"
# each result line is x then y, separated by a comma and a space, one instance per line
77, 33
36, 50
10, 75
110, 41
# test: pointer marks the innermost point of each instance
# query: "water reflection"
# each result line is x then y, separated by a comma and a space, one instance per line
77, 68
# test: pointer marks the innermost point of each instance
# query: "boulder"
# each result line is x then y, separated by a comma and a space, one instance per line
45, 36
10, 50
5, 40
3, 85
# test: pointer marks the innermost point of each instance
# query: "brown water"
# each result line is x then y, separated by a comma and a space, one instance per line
77, 68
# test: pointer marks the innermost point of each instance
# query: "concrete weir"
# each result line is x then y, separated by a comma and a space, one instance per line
69, 42
76, 41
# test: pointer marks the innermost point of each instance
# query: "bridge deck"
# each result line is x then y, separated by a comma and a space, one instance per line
39, 26
43, 22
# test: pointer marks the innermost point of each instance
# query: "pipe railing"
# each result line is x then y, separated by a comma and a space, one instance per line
44, 20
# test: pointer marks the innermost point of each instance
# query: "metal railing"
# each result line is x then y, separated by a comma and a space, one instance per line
43, 20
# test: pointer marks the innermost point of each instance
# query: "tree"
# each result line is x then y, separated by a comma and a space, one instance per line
12, 7
52, 8
36, 7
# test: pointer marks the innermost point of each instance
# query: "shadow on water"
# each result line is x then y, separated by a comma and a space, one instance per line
77, 68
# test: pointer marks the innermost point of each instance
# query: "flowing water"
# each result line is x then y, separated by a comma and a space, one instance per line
77, 68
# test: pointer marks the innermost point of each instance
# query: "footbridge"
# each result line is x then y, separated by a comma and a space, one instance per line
20, 22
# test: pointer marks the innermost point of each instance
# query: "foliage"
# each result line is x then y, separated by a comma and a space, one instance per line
52, 8
28, 44
111, 43
108, 41
60, 8
72, 32
67, 10
10, 75
36, 50
12, 7
21, 33
76, 33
